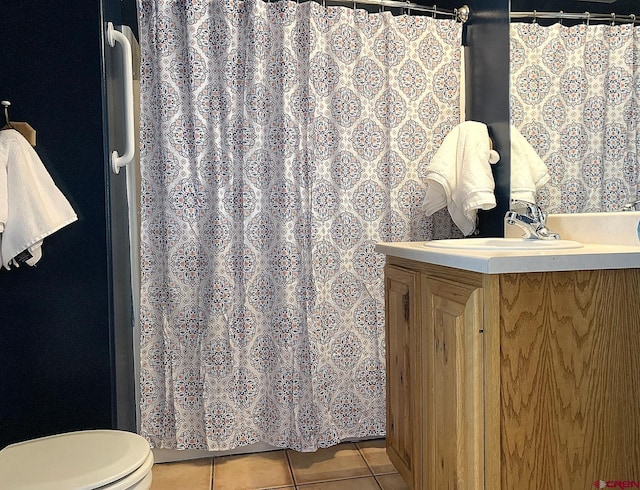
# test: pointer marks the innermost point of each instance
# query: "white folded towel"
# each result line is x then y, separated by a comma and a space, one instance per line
459, 175
528, 171
31, 206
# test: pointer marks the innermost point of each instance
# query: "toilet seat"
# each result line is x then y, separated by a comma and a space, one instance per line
91, 459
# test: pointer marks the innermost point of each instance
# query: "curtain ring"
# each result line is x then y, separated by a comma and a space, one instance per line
435, 8
633, 18
588, 15
535, 17
408, 10
613, 18
561, 17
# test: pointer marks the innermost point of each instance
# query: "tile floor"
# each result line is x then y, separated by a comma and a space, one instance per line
347, 466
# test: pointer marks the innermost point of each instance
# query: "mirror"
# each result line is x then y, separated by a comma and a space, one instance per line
574, 97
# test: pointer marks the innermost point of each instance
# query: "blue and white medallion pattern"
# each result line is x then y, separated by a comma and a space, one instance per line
279, 142
575, 94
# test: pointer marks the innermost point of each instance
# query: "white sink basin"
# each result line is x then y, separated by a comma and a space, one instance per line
502, 244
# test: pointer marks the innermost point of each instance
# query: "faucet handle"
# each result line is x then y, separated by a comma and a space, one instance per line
630, 206
529, 209
531, 219
516, 204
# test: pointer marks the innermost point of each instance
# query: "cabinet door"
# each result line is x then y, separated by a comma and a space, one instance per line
403, 396
452, 378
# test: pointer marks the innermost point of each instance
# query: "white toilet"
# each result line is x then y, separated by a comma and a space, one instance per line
87, 460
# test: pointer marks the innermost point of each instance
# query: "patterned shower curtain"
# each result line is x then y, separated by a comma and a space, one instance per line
574, 96
279, 142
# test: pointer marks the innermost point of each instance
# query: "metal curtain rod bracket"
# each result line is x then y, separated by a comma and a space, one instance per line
462, 13
613, 18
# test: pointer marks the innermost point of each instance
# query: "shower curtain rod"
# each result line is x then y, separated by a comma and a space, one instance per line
586, 16
460, 14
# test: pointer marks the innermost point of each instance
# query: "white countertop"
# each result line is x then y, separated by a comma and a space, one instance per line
589, 257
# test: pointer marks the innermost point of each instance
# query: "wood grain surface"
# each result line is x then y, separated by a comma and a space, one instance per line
569, 378
404, 396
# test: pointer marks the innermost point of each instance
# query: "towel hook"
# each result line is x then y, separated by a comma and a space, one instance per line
6, 104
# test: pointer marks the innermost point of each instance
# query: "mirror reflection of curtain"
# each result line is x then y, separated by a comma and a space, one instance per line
574, 96
279, 142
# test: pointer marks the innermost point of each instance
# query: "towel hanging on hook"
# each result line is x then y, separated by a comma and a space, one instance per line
23, 128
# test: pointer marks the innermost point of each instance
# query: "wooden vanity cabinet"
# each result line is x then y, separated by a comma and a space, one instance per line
404, 390
451, 317
519, 380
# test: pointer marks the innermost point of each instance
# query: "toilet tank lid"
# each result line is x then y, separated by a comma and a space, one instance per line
79, 460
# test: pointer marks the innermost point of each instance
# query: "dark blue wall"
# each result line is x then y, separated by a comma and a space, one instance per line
56, 356
487, 37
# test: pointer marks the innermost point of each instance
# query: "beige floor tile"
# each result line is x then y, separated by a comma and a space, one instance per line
367, 483
252, 471
191, 475
392, 482
333, 463
375, 453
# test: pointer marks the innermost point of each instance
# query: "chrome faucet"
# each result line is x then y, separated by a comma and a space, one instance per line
531, 218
